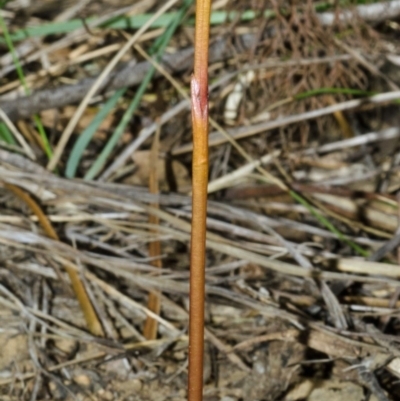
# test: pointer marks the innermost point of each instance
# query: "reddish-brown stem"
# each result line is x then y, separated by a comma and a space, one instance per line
199, 92
92, 320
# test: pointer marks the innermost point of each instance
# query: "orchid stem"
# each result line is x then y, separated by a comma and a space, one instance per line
199, 95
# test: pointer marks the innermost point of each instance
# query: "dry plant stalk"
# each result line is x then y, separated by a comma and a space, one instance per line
153, 304
199, 94
89, 313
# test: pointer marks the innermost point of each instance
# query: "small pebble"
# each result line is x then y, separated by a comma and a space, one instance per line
227, 398
130, 386
66, 345
180, 355
170, 369
136, 385
83, 380
106, 395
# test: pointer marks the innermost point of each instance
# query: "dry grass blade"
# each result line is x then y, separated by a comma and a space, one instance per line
27, 149
95, 87
369, 268
153, 304
243, 132
292, 310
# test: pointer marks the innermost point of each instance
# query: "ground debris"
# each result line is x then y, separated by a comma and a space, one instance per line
302, 255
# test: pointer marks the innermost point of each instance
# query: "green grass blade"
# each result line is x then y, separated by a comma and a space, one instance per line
159, 46
22, 79
43, 136
10, 45
3, 3
102, 158
87, 135
136, 21
325, 222
123, 22
5, 135
333, 91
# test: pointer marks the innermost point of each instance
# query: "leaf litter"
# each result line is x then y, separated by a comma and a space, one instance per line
302, 278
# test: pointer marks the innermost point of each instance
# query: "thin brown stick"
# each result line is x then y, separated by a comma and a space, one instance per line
153, 304
199, 92
92, 321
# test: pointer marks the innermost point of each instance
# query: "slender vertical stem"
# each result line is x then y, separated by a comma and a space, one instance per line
154, 301
199, 94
